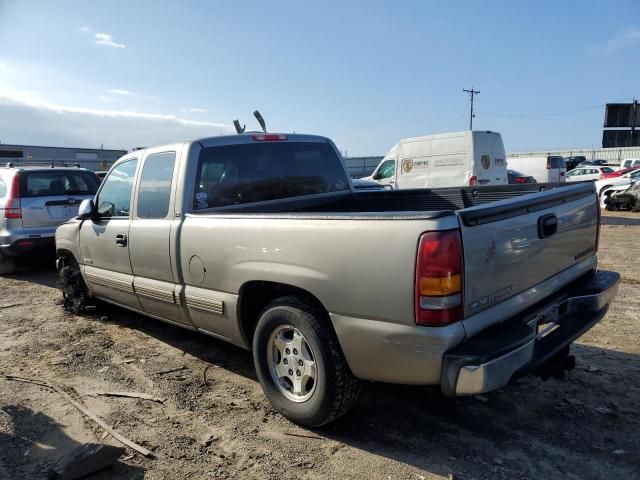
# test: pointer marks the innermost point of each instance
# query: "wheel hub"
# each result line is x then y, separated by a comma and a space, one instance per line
292, 363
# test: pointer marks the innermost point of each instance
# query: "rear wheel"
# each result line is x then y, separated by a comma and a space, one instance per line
7, 265
300, 365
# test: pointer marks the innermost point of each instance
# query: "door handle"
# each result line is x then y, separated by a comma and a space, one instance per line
547, 225
121, 240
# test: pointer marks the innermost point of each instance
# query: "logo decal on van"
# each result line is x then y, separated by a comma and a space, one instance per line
407, 165
486, 161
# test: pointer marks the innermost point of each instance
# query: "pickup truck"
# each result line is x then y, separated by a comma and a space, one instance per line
261, 240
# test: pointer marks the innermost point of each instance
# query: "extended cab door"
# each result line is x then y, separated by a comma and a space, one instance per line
104, 241
153, 235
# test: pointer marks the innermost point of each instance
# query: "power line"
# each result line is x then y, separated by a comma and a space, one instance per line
550, 114
471, 93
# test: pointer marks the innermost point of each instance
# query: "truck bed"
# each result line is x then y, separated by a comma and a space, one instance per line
418, 203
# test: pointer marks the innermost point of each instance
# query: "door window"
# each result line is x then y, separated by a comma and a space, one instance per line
155, 185
114, 198
557, 162
3, 189
386, 170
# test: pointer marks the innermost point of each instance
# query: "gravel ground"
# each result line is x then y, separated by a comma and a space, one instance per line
584, 427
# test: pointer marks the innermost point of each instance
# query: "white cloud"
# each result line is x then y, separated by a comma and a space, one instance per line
107, 40
194, 110
25, 118
124, 93
624, 38
85, 30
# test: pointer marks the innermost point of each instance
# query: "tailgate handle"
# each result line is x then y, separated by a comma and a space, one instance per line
547, 225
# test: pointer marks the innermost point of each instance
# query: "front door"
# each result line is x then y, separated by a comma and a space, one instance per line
104, 241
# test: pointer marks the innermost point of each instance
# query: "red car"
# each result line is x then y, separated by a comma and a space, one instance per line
618, 173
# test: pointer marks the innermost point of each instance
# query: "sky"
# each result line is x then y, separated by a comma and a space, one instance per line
365, 73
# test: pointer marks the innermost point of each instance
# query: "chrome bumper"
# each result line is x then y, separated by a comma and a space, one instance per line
521, 345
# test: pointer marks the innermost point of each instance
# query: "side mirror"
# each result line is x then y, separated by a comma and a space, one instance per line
87, 210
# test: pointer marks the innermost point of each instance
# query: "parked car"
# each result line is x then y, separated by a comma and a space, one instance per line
260, 240
517, 177
573, 162
33, 202
626, 179
592, 172
597, 163
629, 162
619, 173
544, 169
364, 184
623, 198
445, 160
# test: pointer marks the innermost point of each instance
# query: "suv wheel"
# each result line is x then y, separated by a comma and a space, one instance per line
7, 265
300, 365
74, 290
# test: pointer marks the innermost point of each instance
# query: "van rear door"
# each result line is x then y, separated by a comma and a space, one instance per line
489, 164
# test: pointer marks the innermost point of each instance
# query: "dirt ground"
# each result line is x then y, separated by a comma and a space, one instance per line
585, 427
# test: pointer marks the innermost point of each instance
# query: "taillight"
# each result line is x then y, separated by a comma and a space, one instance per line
438, 287
268, 137
12, 208
473, 181
548, 164
521, 179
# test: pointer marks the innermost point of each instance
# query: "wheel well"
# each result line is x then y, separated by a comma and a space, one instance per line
603, 189
68, 256
256, 295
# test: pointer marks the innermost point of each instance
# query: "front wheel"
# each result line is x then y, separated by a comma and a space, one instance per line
300, 365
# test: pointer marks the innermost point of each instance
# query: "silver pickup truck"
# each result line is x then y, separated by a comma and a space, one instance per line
260, 240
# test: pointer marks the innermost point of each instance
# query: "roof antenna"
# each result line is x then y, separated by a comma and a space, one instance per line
260, 120
239, 129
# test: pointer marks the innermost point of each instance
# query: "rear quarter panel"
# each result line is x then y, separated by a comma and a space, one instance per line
360, 268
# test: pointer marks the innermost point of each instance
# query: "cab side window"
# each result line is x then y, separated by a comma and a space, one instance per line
155, 185
114, 198
386, 170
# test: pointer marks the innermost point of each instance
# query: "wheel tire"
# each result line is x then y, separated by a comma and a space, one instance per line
335, 390
74, 290
7, 265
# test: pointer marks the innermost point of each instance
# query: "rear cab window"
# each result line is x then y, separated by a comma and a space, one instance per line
261, 171
57, 183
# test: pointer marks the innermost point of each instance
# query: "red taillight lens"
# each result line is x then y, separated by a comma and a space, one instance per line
12, 208
473, 181
268, 137
438, 287
521, 179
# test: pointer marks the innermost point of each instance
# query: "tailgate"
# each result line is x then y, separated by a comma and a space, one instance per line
49, 211
512, 245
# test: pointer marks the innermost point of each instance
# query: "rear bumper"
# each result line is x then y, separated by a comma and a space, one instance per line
523, 344
26, 245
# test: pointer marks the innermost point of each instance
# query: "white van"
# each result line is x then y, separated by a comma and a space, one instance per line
629, 162
445, 160
544, 169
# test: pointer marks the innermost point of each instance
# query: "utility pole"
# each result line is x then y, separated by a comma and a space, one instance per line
471, 93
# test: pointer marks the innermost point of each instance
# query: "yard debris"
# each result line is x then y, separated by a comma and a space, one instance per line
84, 410
143, 396
308, 465
172, 370
11, 305
204, 373
83, 460
303, 435
103, 369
